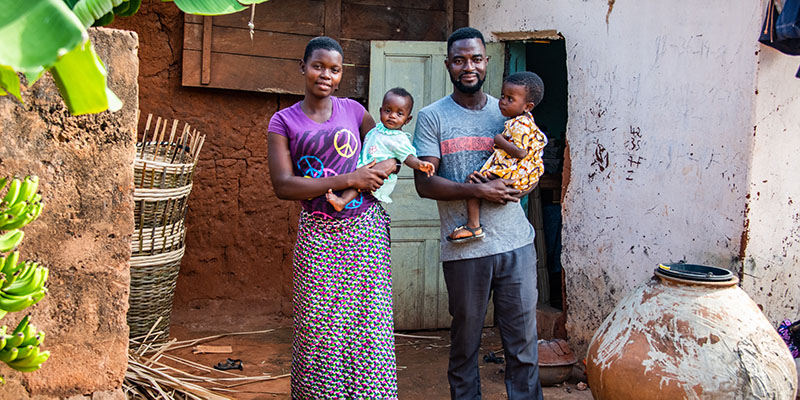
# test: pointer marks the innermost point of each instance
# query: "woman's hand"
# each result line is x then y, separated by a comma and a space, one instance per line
288, 186
367, 179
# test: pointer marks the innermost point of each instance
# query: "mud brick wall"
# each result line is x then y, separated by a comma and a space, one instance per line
85, 165
239, 236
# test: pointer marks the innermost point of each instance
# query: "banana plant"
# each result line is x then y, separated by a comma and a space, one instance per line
50, 35
21, 282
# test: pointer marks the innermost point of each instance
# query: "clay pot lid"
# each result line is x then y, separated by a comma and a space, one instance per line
555, 352
695, 272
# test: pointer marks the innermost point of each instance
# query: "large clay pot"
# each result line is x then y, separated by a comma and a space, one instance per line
689, 335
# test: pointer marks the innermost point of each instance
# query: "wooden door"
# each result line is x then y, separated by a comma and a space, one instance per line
419, 292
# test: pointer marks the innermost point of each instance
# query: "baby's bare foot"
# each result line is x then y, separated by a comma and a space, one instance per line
336, 201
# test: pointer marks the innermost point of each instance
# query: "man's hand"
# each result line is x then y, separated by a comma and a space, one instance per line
520, 195
494, 190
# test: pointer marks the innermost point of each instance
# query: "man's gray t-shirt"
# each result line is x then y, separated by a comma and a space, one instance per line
462, 140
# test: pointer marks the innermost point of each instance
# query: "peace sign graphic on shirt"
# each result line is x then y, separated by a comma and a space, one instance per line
355, 203
345, 143
311, 166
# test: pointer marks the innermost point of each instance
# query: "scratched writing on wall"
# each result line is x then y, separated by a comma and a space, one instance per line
633, 145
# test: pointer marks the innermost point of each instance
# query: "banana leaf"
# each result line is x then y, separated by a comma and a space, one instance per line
9, 82
128, 8
122, 8
209, 7
248, 2
81, 80
34, 33
33, 75
132, 8
89, 11
104, 20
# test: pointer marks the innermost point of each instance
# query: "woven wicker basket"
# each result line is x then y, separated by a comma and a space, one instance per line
163, 171
153, 280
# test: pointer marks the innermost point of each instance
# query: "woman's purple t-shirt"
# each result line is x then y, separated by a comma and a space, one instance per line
327, 149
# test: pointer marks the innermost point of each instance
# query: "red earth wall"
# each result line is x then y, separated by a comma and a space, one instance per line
239, 237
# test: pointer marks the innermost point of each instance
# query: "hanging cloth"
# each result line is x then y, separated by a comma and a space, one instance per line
788, 40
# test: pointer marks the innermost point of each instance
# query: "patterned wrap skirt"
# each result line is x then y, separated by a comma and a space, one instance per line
343, 344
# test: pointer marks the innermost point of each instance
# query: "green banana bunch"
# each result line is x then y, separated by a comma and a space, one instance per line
12, 303
10, 240
10, 266
21, 350
19, 190
29, 213
11, 271
20, 206
8, 355
22, 283
32, 281
30, 363
13, 341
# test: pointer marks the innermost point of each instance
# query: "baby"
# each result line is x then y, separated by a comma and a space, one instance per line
385, 141
518, 150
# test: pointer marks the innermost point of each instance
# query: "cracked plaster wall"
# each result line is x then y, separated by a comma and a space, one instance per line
662, 107
773, 246
239, 236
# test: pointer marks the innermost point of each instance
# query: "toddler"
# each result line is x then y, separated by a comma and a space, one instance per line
385, 141
518, 150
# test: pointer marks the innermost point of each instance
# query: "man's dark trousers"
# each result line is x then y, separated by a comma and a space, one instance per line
511, 277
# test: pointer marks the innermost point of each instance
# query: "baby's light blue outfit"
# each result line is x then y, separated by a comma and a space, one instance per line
382, 144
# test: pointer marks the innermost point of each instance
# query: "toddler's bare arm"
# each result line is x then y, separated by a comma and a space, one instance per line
390, 166
502, 143
419, 165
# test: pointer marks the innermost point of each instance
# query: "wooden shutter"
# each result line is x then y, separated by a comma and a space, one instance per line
218, 52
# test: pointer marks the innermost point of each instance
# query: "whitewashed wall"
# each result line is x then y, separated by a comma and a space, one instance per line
661, 119
772, 252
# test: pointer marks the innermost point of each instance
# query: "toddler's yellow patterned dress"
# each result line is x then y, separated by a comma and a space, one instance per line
525, 172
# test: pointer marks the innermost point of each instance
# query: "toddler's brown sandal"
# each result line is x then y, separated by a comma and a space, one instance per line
475, 233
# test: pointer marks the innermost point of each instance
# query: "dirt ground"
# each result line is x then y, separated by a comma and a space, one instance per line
421, 371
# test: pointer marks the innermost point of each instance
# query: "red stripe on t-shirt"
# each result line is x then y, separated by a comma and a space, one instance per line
467, 144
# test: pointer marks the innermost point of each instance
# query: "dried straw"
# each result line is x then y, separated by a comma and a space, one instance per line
148, 378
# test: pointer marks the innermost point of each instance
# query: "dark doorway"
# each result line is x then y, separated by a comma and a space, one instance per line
547, 57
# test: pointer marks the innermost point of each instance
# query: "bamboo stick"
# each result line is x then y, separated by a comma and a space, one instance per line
159, 352
144, 135
146, 345
402, 335
192, 342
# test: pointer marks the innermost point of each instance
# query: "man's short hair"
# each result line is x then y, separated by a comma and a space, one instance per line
398, 91
324, 43
464, 33
534, 87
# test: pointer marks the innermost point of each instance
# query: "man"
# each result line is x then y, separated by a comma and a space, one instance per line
456, 134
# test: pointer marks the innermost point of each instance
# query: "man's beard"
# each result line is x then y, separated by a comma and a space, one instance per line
467, 89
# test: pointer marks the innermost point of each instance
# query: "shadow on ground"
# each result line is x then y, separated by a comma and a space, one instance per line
421, 362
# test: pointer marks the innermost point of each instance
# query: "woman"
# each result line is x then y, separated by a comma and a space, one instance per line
343, 344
